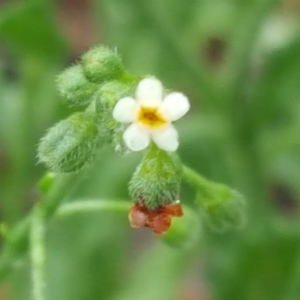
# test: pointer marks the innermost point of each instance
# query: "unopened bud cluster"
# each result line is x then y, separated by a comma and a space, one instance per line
93, 85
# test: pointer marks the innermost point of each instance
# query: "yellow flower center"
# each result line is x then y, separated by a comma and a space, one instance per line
151, 117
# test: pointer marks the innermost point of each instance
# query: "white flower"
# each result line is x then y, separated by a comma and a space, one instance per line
151, 116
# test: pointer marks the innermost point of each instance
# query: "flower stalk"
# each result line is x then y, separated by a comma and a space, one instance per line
16, 243
38, 254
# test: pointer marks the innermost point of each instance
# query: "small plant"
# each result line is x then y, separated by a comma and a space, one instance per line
133, 113
127, 113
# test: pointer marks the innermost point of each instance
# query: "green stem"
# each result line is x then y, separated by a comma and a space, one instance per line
17, 243
69, 209
17, 240
38, 254
194, 179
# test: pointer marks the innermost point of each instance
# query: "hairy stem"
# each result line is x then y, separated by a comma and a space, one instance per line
17, 240
195, 179
38, 254
70, 209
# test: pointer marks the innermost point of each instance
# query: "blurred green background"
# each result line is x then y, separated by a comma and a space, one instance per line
239, 63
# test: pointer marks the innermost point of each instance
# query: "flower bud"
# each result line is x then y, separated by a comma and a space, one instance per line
109, 93
106, 98
223, 208
75, 89
70, 144
102, 64
156, 181
184, 232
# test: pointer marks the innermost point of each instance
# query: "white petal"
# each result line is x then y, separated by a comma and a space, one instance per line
166, 138
175, 106
136, 137
149, 92
125, 110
